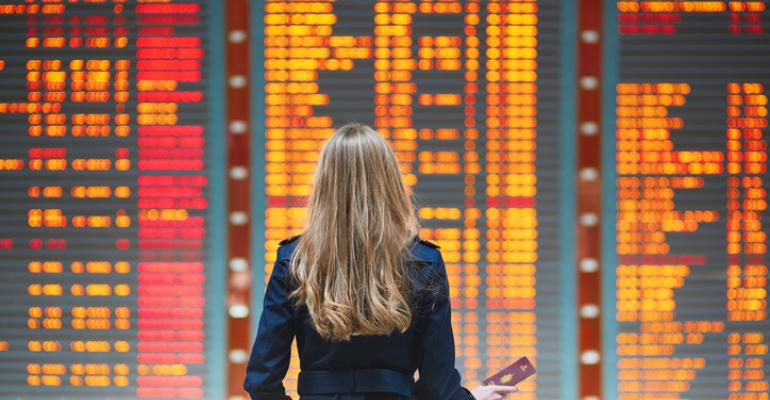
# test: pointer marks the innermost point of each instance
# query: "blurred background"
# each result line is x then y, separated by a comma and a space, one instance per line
593, 172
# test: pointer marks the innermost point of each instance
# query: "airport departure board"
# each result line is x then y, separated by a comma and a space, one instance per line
690, 143
112, 238
467, 93
108, 201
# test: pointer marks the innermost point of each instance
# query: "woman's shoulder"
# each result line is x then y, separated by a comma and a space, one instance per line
289, 240
286, 247
424, 250
426, 261
426, 243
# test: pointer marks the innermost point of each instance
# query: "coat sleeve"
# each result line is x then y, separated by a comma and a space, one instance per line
271, 351
438, 377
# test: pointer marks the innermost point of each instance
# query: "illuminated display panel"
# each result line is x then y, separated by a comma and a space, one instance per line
467, 94
106, 187
691, 200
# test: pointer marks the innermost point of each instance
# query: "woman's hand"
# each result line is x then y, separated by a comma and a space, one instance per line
493, 392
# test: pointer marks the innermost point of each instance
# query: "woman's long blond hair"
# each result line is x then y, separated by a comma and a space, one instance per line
350, 259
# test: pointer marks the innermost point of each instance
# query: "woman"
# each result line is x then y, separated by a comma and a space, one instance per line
366, 298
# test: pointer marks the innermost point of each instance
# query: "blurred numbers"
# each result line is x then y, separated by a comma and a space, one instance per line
105, 210
691, 200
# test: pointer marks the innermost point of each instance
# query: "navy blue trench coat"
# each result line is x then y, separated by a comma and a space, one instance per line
372, 367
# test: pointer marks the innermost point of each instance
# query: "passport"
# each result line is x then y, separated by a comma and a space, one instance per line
512, 374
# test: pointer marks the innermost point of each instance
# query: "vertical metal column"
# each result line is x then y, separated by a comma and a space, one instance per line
238, 195
588, 191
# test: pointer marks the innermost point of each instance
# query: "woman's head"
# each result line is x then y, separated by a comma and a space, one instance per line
349, 261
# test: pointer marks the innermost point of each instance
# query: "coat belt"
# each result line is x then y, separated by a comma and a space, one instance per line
354, 381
